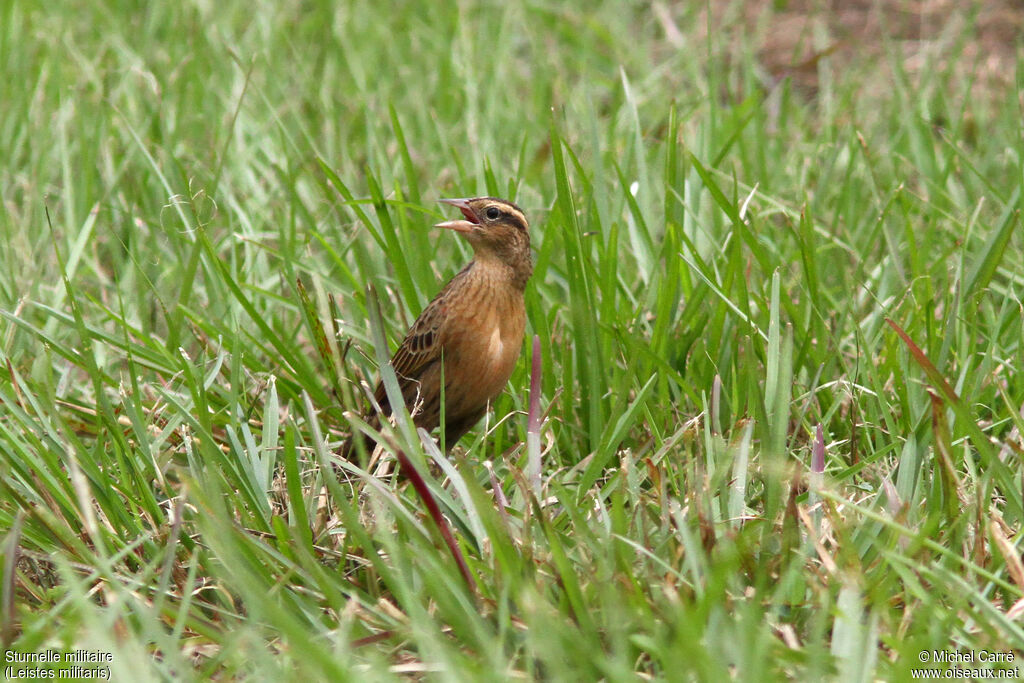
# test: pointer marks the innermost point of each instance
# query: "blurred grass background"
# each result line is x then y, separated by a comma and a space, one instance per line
746, 471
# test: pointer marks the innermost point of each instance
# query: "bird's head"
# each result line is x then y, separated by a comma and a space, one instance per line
496, 229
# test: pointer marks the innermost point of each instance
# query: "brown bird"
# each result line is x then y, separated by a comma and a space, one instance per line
471, 334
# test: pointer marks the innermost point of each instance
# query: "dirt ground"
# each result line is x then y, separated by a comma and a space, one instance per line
977, 38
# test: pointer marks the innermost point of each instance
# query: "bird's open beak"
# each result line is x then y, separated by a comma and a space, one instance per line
463, 226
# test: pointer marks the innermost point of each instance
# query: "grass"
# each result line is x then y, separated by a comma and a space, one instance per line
779, 343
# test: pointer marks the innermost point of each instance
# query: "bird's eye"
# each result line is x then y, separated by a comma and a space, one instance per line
492, 212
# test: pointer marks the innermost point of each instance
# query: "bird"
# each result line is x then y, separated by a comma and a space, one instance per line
470, 335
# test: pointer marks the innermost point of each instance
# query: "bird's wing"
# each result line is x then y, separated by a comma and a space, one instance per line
420, 349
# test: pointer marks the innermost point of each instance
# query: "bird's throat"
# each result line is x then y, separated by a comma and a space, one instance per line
502, 271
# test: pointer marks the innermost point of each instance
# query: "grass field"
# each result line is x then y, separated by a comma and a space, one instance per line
779, 346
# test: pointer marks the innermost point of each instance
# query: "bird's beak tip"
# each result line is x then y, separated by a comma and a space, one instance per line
459, 202
457, 226
463, 205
